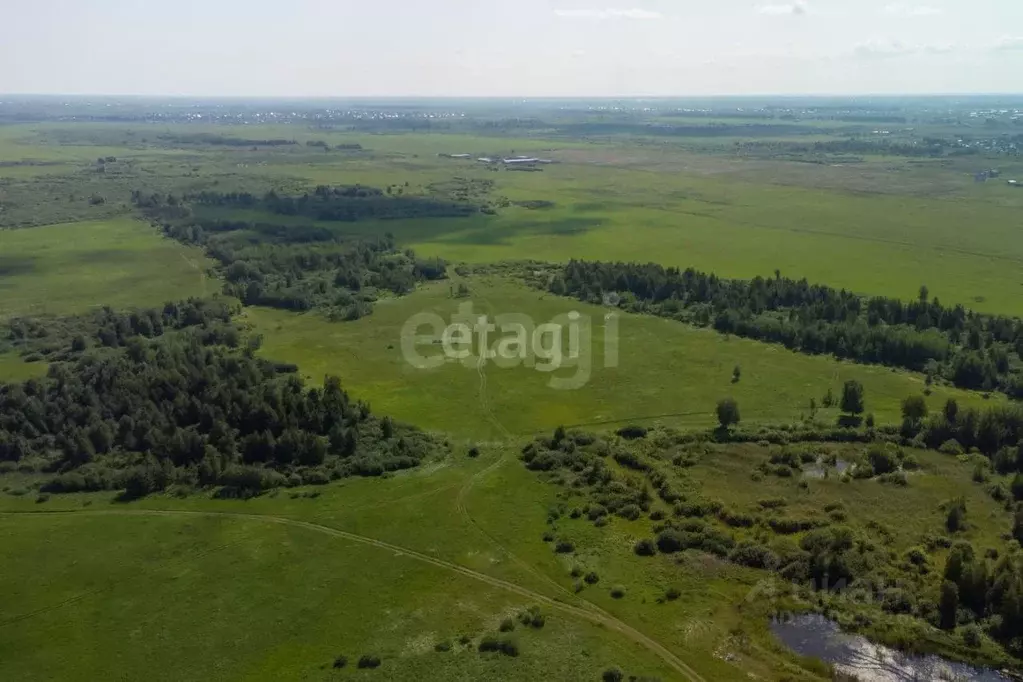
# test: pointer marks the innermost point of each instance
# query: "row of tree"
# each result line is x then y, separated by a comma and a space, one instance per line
342, 204
972, 350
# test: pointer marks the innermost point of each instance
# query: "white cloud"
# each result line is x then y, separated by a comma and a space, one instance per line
795, 8
901, 9
1009, 44
874, 49
633, 13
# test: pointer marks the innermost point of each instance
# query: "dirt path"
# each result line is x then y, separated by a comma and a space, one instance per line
596, 617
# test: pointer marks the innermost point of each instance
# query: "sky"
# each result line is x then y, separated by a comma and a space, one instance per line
435, 48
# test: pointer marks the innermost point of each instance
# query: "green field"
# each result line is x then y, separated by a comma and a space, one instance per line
231, 586
74, 268
183, 584
225, 572
668, 372
872, 228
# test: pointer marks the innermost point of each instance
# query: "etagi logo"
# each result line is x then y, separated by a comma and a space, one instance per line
510, 340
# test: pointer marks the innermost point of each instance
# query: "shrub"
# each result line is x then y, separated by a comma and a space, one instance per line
895, 478
617, 592
507, 625
917, 556
369, 661
632, 432
955, 519
491, 644
442, 646
591, 578
672, 594
645, 547
564, 547
630, 512
749, 553
548, 536
612, 675
737, 520
972, 636
474, 452
882, 459
951, 447
340, 662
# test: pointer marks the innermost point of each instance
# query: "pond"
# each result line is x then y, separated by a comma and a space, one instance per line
816, 636
821, 468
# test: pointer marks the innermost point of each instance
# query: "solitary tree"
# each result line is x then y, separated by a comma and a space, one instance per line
914, 408
852, 397
949, 605
951, 410
728, 412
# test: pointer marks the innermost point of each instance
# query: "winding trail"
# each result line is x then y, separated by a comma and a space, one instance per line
597, 618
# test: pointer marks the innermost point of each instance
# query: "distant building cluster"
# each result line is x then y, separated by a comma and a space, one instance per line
511, 161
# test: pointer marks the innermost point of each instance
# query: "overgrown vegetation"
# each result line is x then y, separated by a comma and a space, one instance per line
827, 552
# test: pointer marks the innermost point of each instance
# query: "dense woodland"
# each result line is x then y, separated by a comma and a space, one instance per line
343, 204
295, 267
191, 408
970, 589
966, 348
223, 140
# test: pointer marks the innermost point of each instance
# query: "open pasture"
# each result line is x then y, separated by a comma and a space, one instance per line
668, 372
72, 268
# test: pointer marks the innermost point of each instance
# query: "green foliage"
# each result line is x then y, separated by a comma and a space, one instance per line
369, 661
196, 407
728, 413
852, 397
914, 408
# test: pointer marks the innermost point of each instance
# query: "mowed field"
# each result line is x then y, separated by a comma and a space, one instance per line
667, 372
76, 267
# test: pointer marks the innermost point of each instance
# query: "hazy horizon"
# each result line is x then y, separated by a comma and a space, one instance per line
317, 49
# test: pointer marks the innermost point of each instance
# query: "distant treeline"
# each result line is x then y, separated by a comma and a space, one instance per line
927, 147
223, 140
190, 409
342, 204
293, 267
972, 350
672, 130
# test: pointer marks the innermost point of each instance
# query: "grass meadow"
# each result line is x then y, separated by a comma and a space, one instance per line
72, 268
668, 372
230, 580
279, 586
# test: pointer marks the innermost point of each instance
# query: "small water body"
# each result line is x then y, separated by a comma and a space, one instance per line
816, 636
820, 468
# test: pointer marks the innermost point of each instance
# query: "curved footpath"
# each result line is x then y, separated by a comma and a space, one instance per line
597, 617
